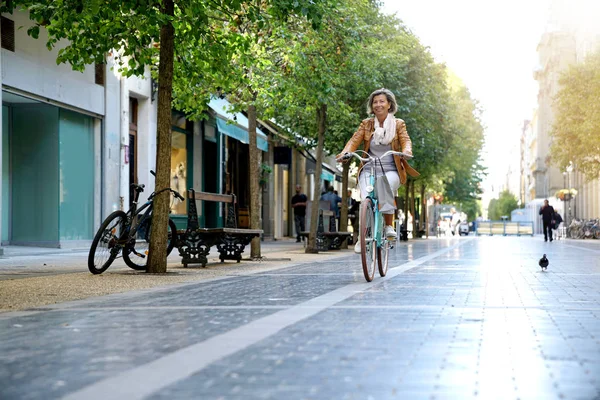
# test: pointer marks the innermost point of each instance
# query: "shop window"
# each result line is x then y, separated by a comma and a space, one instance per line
179, 171
178, 120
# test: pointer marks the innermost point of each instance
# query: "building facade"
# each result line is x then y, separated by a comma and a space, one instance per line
73, 142
59, 128
572, 34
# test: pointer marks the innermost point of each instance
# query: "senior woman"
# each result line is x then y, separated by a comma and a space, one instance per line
379, 134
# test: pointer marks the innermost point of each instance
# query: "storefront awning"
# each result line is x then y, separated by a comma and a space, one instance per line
235, 125
326, 173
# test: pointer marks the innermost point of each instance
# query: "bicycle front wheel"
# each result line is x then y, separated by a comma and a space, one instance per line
367, 239
383, 253
105, 247
135, 253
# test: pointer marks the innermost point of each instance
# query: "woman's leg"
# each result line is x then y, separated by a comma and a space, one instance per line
389, 219
394, 181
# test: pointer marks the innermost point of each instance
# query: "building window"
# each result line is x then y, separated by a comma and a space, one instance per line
179, 171
99, 73
8, 34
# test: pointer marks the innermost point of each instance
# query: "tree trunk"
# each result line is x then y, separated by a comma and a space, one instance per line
424, 213
412, 209
311, 247
254, 187
406, 200
344, 210
157, 253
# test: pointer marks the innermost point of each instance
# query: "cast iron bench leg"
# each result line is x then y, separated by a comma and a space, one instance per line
193, 249
231, 247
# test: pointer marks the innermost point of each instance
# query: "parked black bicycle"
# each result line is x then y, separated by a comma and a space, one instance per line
128, 233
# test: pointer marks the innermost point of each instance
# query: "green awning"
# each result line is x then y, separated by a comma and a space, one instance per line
235, 125
326, 175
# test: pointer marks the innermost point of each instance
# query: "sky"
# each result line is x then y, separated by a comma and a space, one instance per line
491, 46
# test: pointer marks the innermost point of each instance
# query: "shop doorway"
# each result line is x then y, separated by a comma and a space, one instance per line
47, 175
132, 155
238, 178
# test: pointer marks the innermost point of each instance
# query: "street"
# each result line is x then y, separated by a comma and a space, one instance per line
455, 318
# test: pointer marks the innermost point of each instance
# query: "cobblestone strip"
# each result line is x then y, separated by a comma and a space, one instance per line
185, 362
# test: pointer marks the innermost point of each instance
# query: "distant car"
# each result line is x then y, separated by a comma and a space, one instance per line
463, 228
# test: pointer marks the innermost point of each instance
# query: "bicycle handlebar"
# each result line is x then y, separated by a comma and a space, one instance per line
347, 156
175, 192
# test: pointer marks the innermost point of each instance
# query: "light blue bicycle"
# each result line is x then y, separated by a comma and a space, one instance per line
373, 243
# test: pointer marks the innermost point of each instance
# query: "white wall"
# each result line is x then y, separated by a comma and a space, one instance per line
32, 69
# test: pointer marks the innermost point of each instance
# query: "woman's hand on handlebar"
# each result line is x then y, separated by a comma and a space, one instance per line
343, 157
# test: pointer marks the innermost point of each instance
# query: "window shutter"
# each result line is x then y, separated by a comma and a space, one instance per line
99, 74
8, 34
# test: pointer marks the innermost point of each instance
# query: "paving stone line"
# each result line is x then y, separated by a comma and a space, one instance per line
185, 362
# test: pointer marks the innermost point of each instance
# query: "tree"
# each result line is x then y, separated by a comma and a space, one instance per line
575, 134
177, 36
311, 92
503, 206
252, 72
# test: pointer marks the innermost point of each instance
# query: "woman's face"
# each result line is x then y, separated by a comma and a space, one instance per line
381, 106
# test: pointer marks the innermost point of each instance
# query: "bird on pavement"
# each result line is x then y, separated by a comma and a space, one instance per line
544, 263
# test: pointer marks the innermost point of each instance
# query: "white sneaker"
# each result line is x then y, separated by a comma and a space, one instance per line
390, 233
357, 247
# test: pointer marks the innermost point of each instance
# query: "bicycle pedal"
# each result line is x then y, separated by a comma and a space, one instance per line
139, 254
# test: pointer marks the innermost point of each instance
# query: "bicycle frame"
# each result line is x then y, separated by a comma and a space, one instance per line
133, 215
372, 193
378, 234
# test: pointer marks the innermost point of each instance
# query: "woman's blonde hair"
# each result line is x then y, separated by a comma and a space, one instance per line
390, 98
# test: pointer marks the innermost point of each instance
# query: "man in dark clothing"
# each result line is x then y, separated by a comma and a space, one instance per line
333, 200
299, 204
547, 213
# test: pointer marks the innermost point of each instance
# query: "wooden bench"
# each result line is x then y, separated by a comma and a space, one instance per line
195, 242
332, 239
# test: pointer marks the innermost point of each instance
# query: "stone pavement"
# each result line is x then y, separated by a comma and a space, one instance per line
32, 277
454, 318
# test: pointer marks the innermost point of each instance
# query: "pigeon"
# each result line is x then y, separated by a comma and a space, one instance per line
544, 263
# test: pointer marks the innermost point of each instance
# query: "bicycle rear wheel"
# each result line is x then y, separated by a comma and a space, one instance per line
367, 239
135, 254
383, 253
105, 247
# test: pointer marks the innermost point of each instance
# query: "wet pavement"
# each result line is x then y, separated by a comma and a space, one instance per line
454, 318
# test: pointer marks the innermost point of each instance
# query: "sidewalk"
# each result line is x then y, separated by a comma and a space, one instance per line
33, 277
454, 318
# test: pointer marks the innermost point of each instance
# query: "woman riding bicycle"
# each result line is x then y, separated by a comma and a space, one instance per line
379, 134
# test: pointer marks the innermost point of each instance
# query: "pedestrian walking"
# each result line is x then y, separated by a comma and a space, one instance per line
334, 201
547, 213
379, 134
299, 205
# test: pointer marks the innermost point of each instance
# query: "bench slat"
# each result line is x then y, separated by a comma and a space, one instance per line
223, 198
224, 230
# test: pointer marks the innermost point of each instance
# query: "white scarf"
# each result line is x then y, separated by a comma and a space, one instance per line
384, 135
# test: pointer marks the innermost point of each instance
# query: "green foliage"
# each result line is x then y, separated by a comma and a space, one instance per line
502, 206
576, 131
288, 57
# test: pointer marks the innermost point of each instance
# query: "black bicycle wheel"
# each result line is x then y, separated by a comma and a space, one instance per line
135, 254
105, 247
367, 239
383, 253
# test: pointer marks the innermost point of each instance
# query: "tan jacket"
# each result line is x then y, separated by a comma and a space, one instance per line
400, 143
